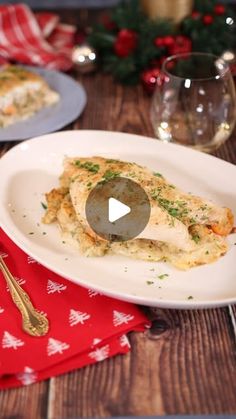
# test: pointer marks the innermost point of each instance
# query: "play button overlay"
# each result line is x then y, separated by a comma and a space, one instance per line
117, 209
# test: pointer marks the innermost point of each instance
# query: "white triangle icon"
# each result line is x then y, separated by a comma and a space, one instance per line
116, 209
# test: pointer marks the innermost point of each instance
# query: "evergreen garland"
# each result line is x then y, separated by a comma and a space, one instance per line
129, 43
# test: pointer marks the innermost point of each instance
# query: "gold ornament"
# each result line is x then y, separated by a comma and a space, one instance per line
167, 9
84, 58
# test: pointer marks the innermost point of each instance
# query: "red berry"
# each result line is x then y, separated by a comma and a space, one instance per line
219, 9
195, 14
181, 39
150, 78
129, 37
125, 42
159, 42
207, 19
121, 49
182, 45
168, 41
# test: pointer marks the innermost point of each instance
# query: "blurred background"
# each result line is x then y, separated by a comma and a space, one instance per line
42, 4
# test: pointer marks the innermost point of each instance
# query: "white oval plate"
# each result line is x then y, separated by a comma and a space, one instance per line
73, 99
32, 168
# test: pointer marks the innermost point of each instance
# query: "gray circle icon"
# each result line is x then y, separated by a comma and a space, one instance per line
118, 209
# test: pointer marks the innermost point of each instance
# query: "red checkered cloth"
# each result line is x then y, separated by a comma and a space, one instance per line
34, 39
85, 326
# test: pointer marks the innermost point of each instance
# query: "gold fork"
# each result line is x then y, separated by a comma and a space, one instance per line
34, 322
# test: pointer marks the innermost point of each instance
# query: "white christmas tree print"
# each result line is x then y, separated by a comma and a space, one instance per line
3, 255
31, 260
1, 310
96, 341
55, 287
76, 317
10, 341
20, 281
28, 376
92, 293
124, 341
100, 353
121, 318
56, 347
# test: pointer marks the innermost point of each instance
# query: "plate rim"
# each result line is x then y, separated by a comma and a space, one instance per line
170, 304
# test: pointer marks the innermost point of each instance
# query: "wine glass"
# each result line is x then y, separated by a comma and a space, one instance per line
194, 101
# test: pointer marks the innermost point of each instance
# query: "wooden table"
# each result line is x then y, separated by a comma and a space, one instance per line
185, 364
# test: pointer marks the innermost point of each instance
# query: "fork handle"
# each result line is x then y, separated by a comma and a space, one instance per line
34, 322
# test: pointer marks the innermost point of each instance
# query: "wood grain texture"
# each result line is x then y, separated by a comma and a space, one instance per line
112, 107
185, 364
29, 402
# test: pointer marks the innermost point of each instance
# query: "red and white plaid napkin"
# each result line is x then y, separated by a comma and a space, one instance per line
85, 326
34, 39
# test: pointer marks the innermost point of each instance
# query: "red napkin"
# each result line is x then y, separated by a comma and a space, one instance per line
35, 39
85, 326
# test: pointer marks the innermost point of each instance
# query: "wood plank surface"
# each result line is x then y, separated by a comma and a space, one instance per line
185, 364
29, 402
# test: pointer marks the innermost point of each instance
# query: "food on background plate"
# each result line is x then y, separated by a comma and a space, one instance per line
183, 229
22, 94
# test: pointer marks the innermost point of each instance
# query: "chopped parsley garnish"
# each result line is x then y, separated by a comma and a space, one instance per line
190, 297
88, 165
207, 252
109, 175
196, 238
89, 185
44, 233
150, 282
44, 205
157, 174
176, 209
163, 276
